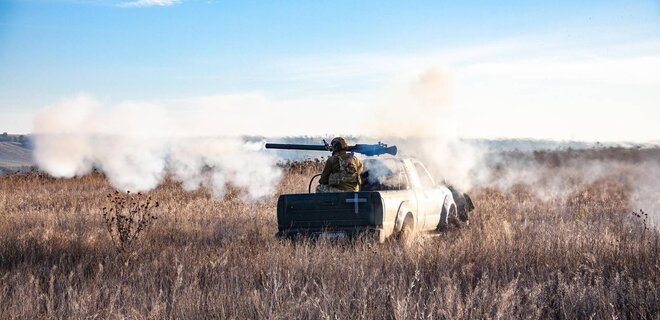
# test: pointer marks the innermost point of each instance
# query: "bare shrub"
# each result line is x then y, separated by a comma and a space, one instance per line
127, 217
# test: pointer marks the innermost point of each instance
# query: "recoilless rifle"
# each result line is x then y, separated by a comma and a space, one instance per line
365, 149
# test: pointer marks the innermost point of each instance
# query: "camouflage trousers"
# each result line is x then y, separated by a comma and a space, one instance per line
324, 188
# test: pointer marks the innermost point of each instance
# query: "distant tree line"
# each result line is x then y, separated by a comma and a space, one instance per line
18, 138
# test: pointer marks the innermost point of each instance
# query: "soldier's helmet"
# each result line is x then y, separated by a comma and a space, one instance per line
338, 144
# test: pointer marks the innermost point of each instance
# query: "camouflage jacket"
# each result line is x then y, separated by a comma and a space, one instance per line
342, 171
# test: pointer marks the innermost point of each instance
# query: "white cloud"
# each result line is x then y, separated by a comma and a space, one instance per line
149, 3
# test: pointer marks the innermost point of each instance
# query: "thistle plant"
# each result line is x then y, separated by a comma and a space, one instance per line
127, 217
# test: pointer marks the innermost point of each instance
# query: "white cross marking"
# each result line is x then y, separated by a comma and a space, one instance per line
356, 200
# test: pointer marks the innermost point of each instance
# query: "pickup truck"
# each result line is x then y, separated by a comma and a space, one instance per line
397, 198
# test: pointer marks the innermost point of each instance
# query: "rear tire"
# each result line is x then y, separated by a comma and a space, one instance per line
407, 232
448, 218
453, 217
464, 204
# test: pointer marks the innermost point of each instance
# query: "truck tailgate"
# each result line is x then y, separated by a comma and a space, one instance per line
329, 210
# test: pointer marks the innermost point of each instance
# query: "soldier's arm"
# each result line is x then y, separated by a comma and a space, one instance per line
325, 175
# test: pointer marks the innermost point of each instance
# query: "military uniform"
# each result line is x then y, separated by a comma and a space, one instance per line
341, 173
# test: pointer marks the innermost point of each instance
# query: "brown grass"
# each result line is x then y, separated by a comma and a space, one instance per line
577, 255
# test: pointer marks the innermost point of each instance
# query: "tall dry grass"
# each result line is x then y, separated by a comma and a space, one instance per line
579, 254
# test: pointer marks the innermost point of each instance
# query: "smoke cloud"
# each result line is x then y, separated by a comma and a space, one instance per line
137, 145
559, 175
200, 141
424, 124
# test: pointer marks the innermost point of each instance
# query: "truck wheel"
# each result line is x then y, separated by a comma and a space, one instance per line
453, 216
407, 230
464, 210
464, 204
447, 218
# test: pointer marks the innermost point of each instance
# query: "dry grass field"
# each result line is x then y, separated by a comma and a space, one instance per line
571, 250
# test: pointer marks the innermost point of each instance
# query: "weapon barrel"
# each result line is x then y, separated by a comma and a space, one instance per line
365, 149
286, 146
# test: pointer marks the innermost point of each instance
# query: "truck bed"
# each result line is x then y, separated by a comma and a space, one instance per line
347, 212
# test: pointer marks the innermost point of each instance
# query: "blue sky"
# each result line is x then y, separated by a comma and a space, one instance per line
169, 52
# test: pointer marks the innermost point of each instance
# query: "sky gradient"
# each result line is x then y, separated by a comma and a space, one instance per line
554, 70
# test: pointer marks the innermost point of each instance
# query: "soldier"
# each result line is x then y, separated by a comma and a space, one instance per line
342, 170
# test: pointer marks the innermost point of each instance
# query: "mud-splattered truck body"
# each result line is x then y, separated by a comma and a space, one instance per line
397, 196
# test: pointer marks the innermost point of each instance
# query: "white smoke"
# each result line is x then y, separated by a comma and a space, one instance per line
559, 175
424, 123
646, 194
385, 174
200, 142
137, 145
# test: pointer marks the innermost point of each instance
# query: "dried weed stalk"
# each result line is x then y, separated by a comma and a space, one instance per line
128, 216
